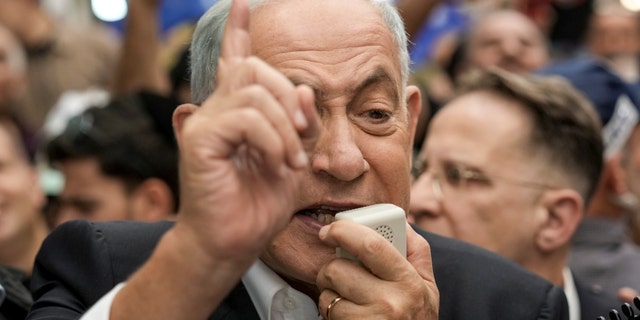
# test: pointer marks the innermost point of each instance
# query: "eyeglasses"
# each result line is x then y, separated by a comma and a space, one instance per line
455, 177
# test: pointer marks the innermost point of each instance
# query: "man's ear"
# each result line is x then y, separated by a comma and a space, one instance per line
414, 106
564, 211
152, 201
180, 116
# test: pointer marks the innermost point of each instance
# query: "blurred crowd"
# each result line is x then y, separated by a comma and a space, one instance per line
86, 133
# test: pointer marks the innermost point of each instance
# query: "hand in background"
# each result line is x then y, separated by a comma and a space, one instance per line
627, 294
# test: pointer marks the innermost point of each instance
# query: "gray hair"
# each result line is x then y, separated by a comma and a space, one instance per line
207, 40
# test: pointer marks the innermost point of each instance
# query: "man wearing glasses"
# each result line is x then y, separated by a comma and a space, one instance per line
509, 165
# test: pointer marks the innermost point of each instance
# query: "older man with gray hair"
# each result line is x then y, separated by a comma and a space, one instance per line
309, 115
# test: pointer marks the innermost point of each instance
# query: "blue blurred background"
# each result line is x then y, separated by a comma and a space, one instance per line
173, 12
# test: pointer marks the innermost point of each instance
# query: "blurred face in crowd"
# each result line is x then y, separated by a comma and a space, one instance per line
21, 198
11, 68
90, 194
614, 33
507, 39
477, 183
362, 155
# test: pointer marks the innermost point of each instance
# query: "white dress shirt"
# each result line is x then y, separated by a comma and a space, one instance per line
571, 293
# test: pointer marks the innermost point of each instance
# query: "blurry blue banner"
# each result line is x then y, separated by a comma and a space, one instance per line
175, 12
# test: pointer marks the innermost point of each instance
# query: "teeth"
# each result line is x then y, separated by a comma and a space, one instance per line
323, 218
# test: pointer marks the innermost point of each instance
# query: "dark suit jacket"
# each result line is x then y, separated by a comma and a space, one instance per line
18, 298
594, 303
81, 261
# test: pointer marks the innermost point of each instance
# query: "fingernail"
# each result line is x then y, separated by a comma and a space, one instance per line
323, 232
300, 120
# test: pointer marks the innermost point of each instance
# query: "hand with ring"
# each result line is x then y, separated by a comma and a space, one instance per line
385, 286
332, 304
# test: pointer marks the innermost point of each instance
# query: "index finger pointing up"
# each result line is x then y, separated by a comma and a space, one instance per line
236, 44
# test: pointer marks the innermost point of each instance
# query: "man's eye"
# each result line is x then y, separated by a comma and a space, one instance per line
378, 115
86, 207
453, 176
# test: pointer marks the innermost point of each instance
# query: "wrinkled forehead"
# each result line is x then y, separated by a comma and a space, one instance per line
325, 21
323, 33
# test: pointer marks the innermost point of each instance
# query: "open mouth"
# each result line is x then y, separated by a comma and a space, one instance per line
323, 214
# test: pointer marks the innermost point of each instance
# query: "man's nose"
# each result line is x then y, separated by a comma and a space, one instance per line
424, 202
511, 47
337, 152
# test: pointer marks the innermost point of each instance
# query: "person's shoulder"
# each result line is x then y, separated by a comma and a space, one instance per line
125, 242
116, 238
593, 302
138, 229
15, 298
479, 284
80, 261
118, 230
464, 256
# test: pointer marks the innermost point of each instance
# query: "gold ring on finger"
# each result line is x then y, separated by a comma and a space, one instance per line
331, 305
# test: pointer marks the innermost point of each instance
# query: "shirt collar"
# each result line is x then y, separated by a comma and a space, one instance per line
571, 293
274, 298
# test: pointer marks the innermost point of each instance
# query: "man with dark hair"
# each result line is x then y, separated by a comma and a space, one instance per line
603, 253
119, 162
510, 165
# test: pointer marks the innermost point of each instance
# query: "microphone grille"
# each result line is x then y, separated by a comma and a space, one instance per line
386, 231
